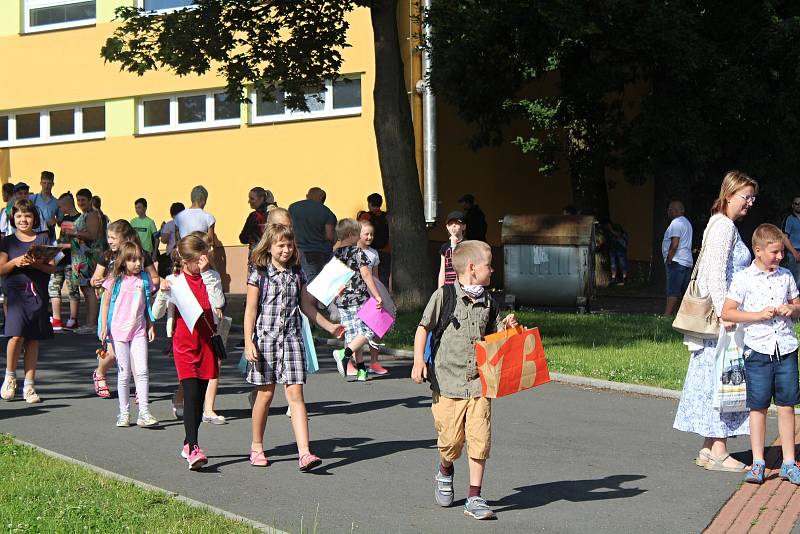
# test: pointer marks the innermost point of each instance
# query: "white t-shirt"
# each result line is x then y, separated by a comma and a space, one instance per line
681, 228
193, 220
372, 256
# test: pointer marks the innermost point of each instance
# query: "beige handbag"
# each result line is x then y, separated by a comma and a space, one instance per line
696, 316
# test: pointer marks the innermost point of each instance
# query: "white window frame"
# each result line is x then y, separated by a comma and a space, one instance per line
289, 115
140, 5
173, 125
44, 126
28, 5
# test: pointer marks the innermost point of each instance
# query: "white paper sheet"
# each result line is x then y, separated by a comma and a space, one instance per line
330, 281
183, 298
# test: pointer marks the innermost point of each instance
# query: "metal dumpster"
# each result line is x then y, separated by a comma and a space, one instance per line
549, 260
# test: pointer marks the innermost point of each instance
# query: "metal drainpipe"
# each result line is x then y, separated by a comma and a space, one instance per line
430, 197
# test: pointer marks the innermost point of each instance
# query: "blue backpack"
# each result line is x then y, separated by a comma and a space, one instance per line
115, 293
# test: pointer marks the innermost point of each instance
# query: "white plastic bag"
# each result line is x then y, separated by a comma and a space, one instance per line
730, 390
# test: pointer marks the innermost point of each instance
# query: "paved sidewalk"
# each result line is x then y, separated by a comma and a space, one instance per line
770, 508
564, 459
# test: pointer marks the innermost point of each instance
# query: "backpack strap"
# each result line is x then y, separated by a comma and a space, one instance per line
445, 318
146, 286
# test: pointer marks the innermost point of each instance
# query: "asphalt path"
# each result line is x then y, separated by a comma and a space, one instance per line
564, 459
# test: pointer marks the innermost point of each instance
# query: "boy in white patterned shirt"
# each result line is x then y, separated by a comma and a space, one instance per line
764, 298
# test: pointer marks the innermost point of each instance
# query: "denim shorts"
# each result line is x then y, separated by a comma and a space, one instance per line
771, 376
678, 278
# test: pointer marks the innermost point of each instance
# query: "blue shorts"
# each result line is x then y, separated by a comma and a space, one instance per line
678, 278
770, 376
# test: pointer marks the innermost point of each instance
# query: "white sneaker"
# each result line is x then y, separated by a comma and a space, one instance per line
146, 419
124, 419
9, 388
30, 395
214, 419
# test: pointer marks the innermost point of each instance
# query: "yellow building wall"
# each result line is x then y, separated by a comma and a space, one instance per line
338, 154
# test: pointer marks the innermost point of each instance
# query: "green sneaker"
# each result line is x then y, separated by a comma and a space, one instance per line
340, 359
361, 375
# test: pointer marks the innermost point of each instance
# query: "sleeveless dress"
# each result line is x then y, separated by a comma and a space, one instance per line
695, 410
85, 255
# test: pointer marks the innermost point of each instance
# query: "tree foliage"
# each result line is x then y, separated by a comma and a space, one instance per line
678, 91
294, 46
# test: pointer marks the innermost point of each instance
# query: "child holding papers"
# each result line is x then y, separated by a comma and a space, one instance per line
353, 296
191, 343
273, 339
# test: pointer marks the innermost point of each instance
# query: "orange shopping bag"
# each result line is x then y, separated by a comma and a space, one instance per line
511, 361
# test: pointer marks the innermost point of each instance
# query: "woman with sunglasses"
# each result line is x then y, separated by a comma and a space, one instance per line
724, 253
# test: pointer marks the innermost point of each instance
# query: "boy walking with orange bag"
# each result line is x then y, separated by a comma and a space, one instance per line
458, 316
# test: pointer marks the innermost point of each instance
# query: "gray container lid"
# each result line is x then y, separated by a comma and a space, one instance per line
570, 230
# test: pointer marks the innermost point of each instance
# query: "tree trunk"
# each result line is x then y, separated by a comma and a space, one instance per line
413, 280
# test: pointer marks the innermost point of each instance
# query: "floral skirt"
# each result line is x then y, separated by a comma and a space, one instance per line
696, 409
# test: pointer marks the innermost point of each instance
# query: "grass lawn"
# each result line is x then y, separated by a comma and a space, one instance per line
42, 494
640, 349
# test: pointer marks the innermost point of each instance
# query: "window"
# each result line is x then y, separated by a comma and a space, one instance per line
62, 122
57, 125
94, 119
339, 99
165, 5
176, 113
28, 125
43, 15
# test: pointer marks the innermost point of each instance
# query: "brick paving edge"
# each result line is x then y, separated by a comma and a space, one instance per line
149, 487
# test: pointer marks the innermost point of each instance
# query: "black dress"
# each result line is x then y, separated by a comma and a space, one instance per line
26, 292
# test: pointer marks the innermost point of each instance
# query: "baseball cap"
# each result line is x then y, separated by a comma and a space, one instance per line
20, 186
455, 216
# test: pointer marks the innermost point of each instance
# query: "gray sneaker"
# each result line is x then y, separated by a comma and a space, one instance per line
477, 508
444, 489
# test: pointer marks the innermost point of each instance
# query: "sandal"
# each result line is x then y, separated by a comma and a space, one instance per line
101, 391
308, 462
718, 464
703, 458
258, 458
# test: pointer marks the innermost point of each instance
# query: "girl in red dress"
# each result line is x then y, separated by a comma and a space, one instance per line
191, 349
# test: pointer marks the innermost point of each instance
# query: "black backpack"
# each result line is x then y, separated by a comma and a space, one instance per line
447, 317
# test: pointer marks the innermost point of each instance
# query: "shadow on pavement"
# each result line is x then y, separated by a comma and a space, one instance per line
569, 490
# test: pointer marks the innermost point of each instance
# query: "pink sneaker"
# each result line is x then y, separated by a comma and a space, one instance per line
185, 452
351, 369
377, 369
197, 458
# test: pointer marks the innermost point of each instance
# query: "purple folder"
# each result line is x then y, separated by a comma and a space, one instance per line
379, 321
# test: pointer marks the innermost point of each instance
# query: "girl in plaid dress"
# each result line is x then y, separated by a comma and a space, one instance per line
276, 293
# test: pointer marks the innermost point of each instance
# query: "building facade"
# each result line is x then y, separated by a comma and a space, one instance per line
156, 136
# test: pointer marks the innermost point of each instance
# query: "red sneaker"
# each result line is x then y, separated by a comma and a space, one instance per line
351, 369
57, 324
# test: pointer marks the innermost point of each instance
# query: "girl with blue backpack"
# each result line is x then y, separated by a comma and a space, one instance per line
127, 316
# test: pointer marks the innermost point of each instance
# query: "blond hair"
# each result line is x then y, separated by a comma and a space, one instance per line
766, 234
347, 228
733, 181
277, 213
261, 256
468, 252
188, 249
